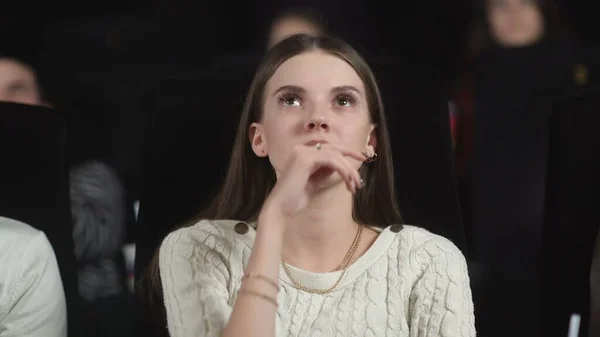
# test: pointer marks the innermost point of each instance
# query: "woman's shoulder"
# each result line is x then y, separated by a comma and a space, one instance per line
417, 252
417, 241
222, 232
213, 242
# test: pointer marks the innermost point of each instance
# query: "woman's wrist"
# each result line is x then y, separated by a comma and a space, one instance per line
272, 217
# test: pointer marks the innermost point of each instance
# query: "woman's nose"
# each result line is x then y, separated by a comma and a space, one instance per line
317, 122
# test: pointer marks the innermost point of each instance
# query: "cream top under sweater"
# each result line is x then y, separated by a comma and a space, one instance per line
408, 284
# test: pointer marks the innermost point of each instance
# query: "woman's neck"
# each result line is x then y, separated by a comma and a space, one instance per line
318, 238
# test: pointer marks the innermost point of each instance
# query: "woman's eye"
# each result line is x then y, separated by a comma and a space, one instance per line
345, 101
289, 100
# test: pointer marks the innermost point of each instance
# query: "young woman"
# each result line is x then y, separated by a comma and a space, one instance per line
305, 237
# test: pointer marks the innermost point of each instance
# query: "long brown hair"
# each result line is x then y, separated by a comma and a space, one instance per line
250, 178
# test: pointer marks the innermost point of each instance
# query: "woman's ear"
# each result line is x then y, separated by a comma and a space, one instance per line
258, 140
371, 145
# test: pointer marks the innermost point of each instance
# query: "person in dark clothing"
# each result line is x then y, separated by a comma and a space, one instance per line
520, 55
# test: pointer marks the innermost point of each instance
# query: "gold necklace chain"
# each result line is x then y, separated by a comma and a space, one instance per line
353, 249
350, 252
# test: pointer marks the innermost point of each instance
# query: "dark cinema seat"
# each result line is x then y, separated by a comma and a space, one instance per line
572, 220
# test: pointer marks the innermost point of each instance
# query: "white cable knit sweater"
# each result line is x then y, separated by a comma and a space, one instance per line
411, 283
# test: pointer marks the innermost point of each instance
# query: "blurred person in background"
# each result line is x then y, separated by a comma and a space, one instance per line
295, 21
97, 198
18, 82
521, 53
515, 23
497, 23
32, 298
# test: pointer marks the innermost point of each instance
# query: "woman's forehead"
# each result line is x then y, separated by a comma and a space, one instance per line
315, 71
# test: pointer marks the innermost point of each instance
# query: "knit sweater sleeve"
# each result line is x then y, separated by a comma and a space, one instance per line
194, 270
441, 304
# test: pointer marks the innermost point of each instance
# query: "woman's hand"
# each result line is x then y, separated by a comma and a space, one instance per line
306, 170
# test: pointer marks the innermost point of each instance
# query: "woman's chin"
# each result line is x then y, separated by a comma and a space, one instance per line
330, 181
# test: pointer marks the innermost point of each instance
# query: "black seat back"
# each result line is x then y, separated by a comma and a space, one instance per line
509, 168
572, 220
418, 121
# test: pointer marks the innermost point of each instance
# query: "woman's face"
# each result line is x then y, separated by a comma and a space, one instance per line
515, 23
312, 97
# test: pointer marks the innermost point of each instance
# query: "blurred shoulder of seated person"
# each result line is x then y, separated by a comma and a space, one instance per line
317, 245
292, 22
19, 83
32, 300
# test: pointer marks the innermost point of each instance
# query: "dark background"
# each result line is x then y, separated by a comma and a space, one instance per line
118, 47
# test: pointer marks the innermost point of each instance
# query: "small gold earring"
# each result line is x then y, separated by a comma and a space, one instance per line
370, 157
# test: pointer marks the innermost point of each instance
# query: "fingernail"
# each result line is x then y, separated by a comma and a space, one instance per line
362, 182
